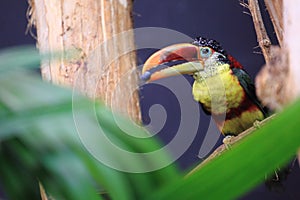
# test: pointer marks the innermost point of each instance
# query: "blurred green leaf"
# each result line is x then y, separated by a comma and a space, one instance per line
28, 57
19, 57
40, 141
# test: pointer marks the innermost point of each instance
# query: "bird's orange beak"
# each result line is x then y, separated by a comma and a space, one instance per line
155, 69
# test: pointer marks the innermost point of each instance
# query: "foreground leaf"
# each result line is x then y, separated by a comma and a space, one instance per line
40, 142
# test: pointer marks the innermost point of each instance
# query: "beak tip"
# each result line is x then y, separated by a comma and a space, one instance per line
146, 76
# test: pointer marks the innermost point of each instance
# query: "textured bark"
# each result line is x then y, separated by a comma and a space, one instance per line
274, 8
105, 68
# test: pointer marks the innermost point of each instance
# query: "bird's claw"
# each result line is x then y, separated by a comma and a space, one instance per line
227, 141
256, 124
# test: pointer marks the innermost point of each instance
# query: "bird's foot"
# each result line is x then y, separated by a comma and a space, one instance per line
256, 124
227, 141
275, 182
276, 176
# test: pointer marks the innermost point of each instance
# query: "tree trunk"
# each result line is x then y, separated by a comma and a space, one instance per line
291, 14
105, 68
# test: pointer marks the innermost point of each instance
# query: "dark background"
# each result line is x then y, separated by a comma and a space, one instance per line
222, 20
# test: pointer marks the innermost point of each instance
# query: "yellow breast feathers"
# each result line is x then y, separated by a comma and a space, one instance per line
218, 90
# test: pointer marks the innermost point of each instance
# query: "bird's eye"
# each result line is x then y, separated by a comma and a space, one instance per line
205, 52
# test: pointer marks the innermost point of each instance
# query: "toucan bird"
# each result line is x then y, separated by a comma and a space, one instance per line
221, 85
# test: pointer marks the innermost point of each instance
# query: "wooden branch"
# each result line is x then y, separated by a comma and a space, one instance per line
262, 35
271, 80
234, 140
274, 8
278, 82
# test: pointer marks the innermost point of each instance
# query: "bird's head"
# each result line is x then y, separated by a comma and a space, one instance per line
205, 56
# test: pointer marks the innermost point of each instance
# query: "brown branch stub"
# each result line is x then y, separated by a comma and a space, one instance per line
43, 192
221, 149
30, 15
262, 35
270, 82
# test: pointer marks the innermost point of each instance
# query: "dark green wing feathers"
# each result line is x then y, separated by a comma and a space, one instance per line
249, 88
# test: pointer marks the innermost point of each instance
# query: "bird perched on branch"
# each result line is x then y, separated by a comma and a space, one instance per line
221, 86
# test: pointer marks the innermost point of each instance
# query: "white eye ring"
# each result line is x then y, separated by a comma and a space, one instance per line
205, 52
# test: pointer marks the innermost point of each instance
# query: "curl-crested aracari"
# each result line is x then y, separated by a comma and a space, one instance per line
221, 85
